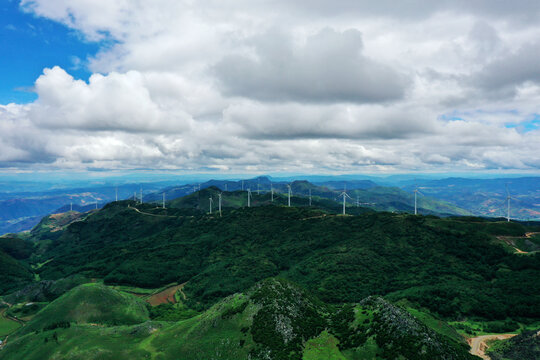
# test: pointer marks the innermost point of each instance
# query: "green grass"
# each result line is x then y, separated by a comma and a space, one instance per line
367, 351
473, 328
90, 303
7, 326
435, 324
323, 347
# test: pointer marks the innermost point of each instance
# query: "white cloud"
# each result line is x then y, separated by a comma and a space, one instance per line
286, 85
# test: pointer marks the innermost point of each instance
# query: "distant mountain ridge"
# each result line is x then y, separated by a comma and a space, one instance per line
361, 194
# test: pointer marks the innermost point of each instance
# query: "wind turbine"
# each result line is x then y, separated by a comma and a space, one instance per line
164, 199
211, 201
508, 197
258, 191
71, 206
116, 193
309, 197
345, 196
242, 185
249, 197
141, 196
289, 186
271, 192
219, 204
416, 191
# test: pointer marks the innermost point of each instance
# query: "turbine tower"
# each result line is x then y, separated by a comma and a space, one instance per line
164, 199
242, 185
116, 193
309, 197
71, 206
219, 204
258, 191
141, 196
345, 196
416, 192
249, 197
211, 201
508, 197
271, 192
289, 202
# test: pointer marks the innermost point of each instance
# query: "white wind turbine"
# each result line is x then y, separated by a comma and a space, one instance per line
345, 196
271, 192
508, 198
211, 202
249, 197
416, 191
289, 202
164, 199
219, 204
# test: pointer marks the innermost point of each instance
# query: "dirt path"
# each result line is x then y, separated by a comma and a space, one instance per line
11, 318
166, 296
479, 346
314, 217
509, 242
156, 215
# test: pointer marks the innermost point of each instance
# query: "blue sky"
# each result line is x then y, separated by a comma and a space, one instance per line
29, 44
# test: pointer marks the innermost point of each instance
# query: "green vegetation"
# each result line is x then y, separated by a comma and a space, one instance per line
523, 346
45, 290
15, 274
25, 311
438, 325
323, 347
89, 304
274, 320
171, 312
452, 267
240, 297
7, 326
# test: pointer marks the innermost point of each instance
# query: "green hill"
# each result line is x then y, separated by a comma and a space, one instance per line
275, 319
89, 304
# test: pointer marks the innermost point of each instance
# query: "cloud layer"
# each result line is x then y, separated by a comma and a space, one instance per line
287, 86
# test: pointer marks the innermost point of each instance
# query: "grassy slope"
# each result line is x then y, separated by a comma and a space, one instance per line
14, 273
274, 320
90, 304
7, 326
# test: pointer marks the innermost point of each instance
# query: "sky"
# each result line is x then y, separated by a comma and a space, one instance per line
259, 86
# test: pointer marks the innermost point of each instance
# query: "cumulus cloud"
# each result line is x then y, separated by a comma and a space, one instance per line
286, 86
328, 67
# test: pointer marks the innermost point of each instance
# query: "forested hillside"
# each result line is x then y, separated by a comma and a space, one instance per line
454, 267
